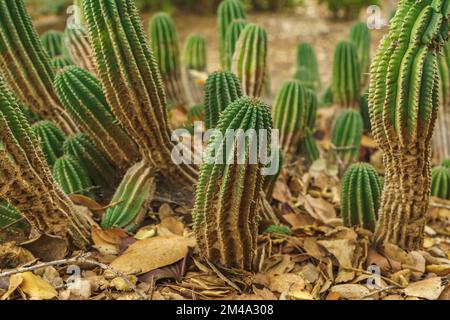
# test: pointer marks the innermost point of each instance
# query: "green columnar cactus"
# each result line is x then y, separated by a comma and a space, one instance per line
100, 170
327, 97
446, 163
364, 110
271, 180
221, 89
226, 209
403, 104
233, 33
79, 48
307, 68
72, 176
308, 147
194, 53
10, 217
131, 201
346, 82
81, 93
346, 137
227, 12
312, 103
249, 60
134, 90
27, 183
360, 196
26, 66
52, 41
165, 47
440, 182
360, 36
51, 138
59, 63
196, 113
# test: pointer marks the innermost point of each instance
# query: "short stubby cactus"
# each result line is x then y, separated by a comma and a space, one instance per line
82, 95
10, 218
98, 167
221, 89
79, 48
403, 104
132, 199
61, 62
165, 47
308, 147
72, 176
51, 138
227, 12
52, 41
346, 137
249, 60
195, 67
360, 36
440, 182
346, 82
360, 196
307, 71
234, 31
226, 208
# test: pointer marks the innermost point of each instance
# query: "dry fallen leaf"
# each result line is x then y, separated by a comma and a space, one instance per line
173, 225
107, 241
351, 291
320, 209
286, 282
35, 287
429, 289
342, 250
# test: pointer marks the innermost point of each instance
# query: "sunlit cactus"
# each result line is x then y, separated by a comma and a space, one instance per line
131, 201
360, 36
51, 139
10, 218
26, 67
221, 89
52, 41
195, 66
440, 182
61, 62
307, 71
233, 33
79, 48
82, 95
227, 12
72, 176
346, 82
360, 196
308, 147
165, 47
249, 60
226, 208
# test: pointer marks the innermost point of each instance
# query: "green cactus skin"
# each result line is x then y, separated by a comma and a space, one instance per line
346, 137
360, 36
72, 176
249, 60
196, 113
279, 229
234, 31
60, 63
165, 47
98, 167
294, 111
346, 82
364, 110
27, 183
26, 66
134, 90
10, 218
227, 12
79, 48
52, 41
440, 182
132, 199
327, 97
307, 68
446, 163
82, 95
194, 53
312, 103
403, 104
51, 138
226, 209
308, 147
221, 89
360, 196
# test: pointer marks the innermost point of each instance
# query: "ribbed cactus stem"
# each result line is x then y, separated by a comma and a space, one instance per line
403, 104
72, 176
307, 67
227, 12
360, 36
249, 60
60, 63
51, 138
52, 41
10, 218
195, 67
226, 208
308, 147
134, 90
26, 66
164, 40
221, 89
440, 182
360, 196
234, 31
79, 48
82, 95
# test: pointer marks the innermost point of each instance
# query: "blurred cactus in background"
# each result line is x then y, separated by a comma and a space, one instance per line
360, 36
233, 33
52, 41
79, 48
307, 71
195, 66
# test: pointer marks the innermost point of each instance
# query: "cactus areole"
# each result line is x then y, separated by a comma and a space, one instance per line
403, 104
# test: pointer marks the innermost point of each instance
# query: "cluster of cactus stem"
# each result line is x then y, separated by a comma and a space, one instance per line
360, 36
51, 140
307, 71
440, 182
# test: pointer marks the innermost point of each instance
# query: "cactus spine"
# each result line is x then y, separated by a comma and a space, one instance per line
26, 66
360, 196
307, 68
132, 199
51, 138
195, 65
227, 12
165, 47
234, 31
440, 182
226, 208
52, 41
360, 36
346, 82
72, 176
249, 60
134, 90
79, 48
403, 103
221, 89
